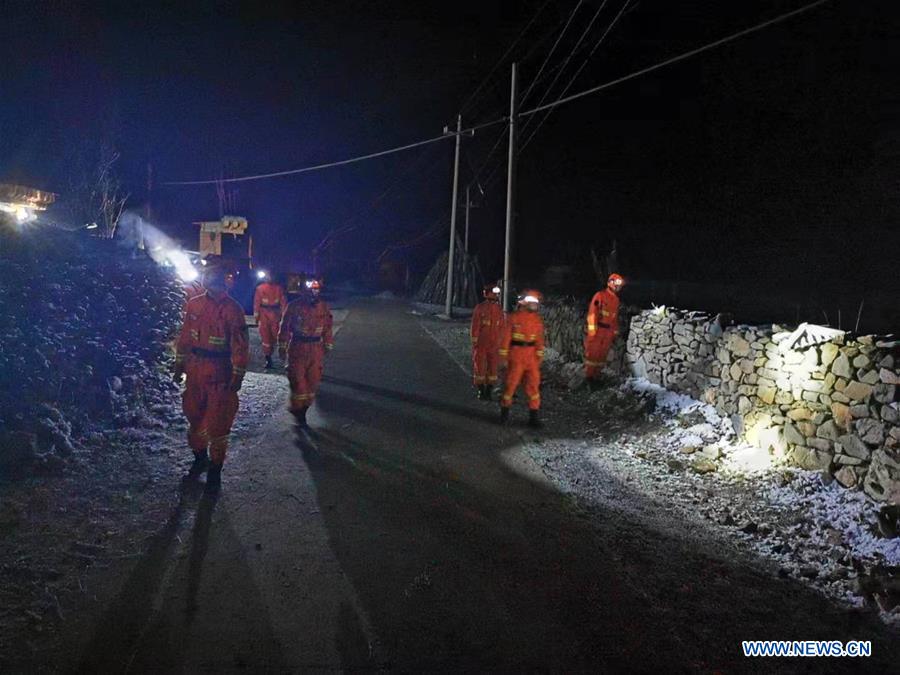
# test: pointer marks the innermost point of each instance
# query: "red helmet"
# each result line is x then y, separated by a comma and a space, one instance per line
615, 282
492, 291
313, 286
531, 297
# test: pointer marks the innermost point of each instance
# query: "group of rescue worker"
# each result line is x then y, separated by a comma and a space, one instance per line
213, 349
517, 341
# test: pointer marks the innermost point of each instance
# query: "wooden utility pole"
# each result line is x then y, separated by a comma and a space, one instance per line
448, 304
468, 204
510, 189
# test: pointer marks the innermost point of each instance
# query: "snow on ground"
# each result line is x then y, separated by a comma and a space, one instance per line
85, 328
680, 454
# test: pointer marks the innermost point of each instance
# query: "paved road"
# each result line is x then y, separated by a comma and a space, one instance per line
406, 531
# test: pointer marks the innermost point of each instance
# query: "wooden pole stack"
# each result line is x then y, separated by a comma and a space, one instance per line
467, 280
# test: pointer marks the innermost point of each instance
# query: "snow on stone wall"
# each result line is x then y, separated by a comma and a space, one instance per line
831, 406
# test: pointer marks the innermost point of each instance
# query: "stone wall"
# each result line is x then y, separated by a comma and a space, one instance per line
830, 406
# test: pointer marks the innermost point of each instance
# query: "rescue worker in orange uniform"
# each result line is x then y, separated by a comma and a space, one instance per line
269, 304
212, 350
304, 338
522, 347
602, 327
486, 332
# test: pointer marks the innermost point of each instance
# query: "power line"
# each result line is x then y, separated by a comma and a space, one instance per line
508, 51
675, 59
729, 38
593, 90
502, 135
568, 58
734, 36
342, 162
578, 72
562, 33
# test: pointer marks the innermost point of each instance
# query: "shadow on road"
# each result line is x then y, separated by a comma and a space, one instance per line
175, 614
121, 627
199, 547
470, 412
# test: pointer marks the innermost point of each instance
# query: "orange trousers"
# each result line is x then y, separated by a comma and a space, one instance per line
269, 323
210, 407
306, 362
485, 363
596, 349
524, 368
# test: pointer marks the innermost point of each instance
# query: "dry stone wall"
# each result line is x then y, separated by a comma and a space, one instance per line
831, 406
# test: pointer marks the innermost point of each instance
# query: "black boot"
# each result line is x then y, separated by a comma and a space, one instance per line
504, 415
201, 464
533, 419
269, 364
479, 392
486, 392
214, 479
300, 417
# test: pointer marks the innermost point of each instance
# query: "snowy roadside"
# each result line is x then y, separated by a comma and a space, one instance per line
680, 455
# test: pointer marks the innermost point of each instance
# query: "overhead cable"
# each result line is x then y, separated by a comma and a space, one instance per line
508, 51
568, 58
578, 72
676, 59
547, 58
593, 90
342, 162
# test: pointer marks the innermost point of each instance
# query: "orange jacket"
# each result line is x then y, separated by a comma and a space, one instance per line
270, 296
603, 312
303, 320
487, 325
525, 327
214, 325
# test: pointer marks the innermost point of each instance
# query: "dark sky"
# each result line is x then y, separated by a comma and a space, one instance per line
770, 162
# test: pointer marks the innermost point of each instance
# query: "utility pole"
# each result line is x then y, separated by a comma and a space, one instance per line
448, 309
510, 186
468, 204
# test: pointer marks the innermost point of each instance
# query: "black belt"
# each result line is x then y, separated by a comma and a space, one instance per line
209, 353
306, 338
520, 343
604, 325
270, 306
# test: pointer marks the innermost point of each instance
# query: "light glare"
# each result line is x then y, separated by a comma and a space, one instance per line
182, 264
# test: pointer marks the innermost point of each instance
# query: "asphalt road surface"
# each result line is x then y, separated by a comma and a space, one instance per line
406, 531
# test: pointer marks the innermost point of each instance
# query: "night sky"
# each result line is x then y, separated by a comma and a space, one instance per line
770, 163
